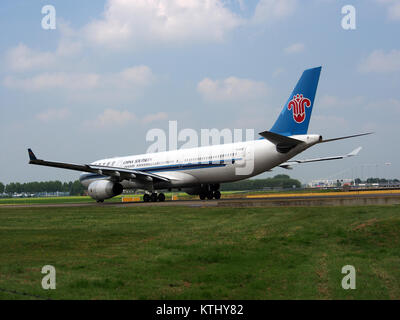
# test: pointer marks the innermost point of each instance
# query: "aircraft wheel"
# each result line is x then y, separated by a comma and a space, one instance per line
153, 197
161, 197
217, 194
202, 196
146, 197
210, 195
100, 201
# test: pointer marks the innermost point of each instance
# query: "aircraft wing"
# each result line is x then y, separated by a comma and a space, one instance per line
288, 164
120, 173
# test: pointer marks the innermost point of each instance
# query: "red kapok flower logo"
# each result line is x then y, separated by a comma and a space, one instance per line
299, 104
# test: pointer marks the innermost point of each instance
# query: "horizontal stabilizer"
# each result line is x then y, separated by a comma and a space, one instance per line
288, 164
276, 138
283, 143
346, 137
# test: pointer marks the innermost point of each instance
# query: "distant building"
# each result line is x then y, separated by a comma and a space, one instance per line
37, 195
350, 183
330, 183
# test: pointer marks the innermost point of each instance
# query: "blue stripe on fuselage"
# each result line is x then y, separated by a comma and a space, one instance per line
173, 167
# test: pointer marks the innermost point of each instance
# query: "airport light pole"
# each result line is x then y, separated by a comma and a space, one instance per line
387, 164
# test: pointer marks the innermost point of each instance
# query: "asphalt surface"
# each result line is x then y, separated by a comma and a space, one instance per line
308, 200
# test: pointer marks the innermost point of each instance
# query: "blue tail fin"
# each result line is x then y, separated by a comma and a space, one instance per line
296, 114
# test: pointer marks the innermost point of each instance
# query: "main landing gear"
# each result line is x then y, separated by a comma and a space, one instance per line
210, 192
154, 197
210, 195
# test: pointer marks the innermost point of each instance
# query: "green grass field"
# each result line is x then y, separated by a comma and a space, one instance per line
200, 253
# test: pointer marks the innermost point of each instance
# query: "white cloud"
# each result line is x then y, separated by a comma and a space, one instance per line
129, 78
333, 102
394, 11
388, 106
111, 118
52, 115
393, 8
325, 123
143, 22
242, 5
22, 58
367, 109
148, 23
139, 75
155, 117
70, 43
278, 72
67, 47
380, 62
295, 48
231, 89
116, 118
58, 80
268, 11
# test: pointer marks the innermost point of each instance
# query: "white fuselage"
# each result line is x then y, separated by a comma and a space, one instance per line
203, 165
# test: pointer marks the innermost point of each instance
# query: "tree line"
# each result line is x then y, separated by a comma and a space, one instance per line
280, 181
73, 187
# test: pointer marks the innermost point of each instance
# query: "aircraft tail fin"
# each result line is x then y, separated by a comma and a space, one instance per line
296, 114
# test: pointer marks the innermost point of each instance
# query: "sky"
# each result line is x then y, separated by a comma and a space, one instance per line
111, 71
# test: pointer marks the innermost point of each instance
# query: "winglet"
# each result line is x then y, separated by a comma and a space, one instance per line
32, 156
354, 152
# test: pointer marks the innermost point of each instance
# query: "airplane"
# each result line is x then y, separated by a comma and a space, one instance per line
200, 171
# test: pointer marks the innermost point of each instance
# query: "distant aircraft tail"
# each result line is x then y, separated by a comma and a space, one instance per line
296, 114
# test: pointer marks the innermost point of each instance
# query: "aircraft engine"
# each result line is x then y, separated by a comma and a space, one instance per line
104, 189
